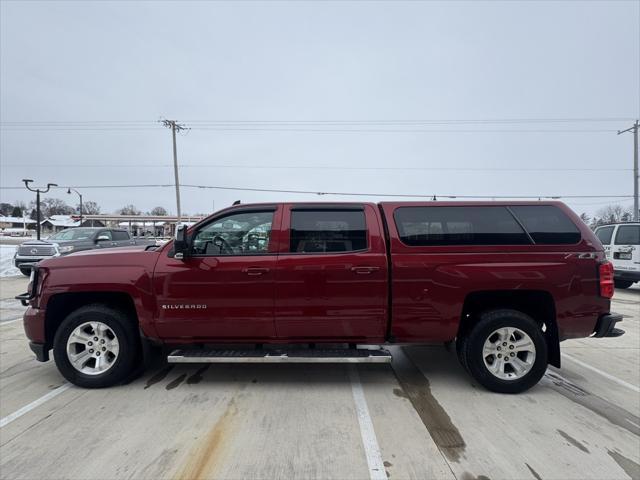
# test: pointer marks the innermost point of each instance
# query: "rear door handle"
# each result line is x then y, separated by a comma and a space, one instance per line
364, 270
255, 271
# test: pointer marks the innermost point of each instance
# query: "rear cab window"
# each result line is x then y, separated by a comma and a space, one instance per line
320, 230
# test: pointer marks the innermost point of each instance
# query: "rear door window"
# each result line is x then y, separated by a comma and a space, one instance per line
547, 224
604, 235
628, 235
327, 231
430, 226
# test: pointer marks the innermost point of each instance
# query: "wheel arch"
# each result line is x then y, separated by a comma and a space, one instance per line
538, 304
60, 305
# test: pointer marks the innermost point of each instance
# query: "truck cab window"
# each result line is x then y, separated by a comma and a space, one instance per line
327, 231
237, 234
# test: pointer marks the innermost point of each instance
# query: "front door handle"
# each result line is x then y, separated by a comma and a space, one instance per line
255, 271
364, 270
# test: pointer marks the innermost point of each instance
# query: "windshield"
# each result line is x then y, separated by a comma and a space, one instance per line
73, 234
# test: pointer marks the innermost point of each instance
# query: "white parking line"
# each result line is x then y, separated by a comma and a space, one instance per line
369, 440
36, 403
9, 322
604, 374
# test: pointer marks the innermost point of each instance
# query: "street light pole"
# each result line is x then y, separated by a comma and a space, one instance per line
80, 195
38, 192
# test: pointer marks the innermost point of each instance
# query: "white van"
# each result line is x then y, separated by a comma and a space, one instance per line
621, 243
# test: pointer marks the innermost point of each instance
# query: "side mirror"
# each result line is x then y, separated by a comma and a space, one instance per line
180, 245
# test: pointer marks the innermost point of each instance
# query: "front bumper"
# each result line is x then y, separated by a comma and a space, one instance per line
605, 326
27, 261
33, 321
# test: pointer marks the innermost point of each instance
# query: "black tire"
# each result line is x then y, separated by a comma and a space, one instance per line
622, 283
26, 272
124, 329
472, 350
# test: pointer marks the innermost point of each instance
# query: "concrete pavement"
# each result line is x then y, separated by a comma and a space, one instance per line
423, 417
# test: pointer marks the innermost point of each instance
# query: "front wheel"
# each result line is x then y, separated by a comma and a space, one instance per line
505, 351
96, 347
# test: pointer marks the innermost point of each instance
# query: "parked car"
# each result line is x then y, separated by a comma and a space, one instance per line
622, 247
506, 281
68, 241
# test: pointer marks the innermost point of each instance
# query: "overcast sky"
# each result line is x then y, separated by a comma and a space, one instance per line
203, 62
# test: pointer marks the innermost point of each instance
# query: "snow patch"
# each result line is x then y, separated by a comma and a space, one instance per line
7, 269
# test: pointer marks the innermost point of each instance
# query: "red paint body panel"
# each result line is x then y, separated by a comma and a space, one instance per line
337, 297
122, 270
33, 321
430, 283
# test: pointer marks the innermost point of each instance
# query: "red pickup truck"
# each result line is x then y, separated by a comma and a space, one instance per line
505, 281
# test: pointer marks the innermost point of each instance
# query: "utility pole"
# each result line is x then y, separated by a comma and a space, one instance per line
38, 192
175, 126
634, 129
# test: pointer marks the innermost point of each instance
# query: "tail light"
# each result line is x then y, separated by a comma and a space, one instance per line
606, 280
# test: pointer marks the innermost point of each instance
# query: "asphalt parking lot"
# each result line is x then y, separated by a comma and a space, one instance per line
421, 417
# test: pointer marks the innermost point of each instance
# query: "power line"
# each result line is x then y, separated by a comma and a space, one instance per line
473, 125
315, 167
446, 121
322, 193
312, 130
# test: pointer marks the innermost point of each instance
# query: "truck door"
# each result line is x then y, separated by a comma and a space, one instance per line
331, 277
224, 289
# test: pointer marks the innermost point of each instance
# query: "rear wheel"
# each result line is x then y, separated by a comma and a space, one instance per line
26, 272
622, 283
505, 351
96, 347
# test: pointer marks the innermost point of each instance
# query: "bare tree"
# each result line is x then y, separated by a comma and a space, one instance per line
6, 209
53, 206
611, 213
129, 210
90, 208
159, 211
585, 218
